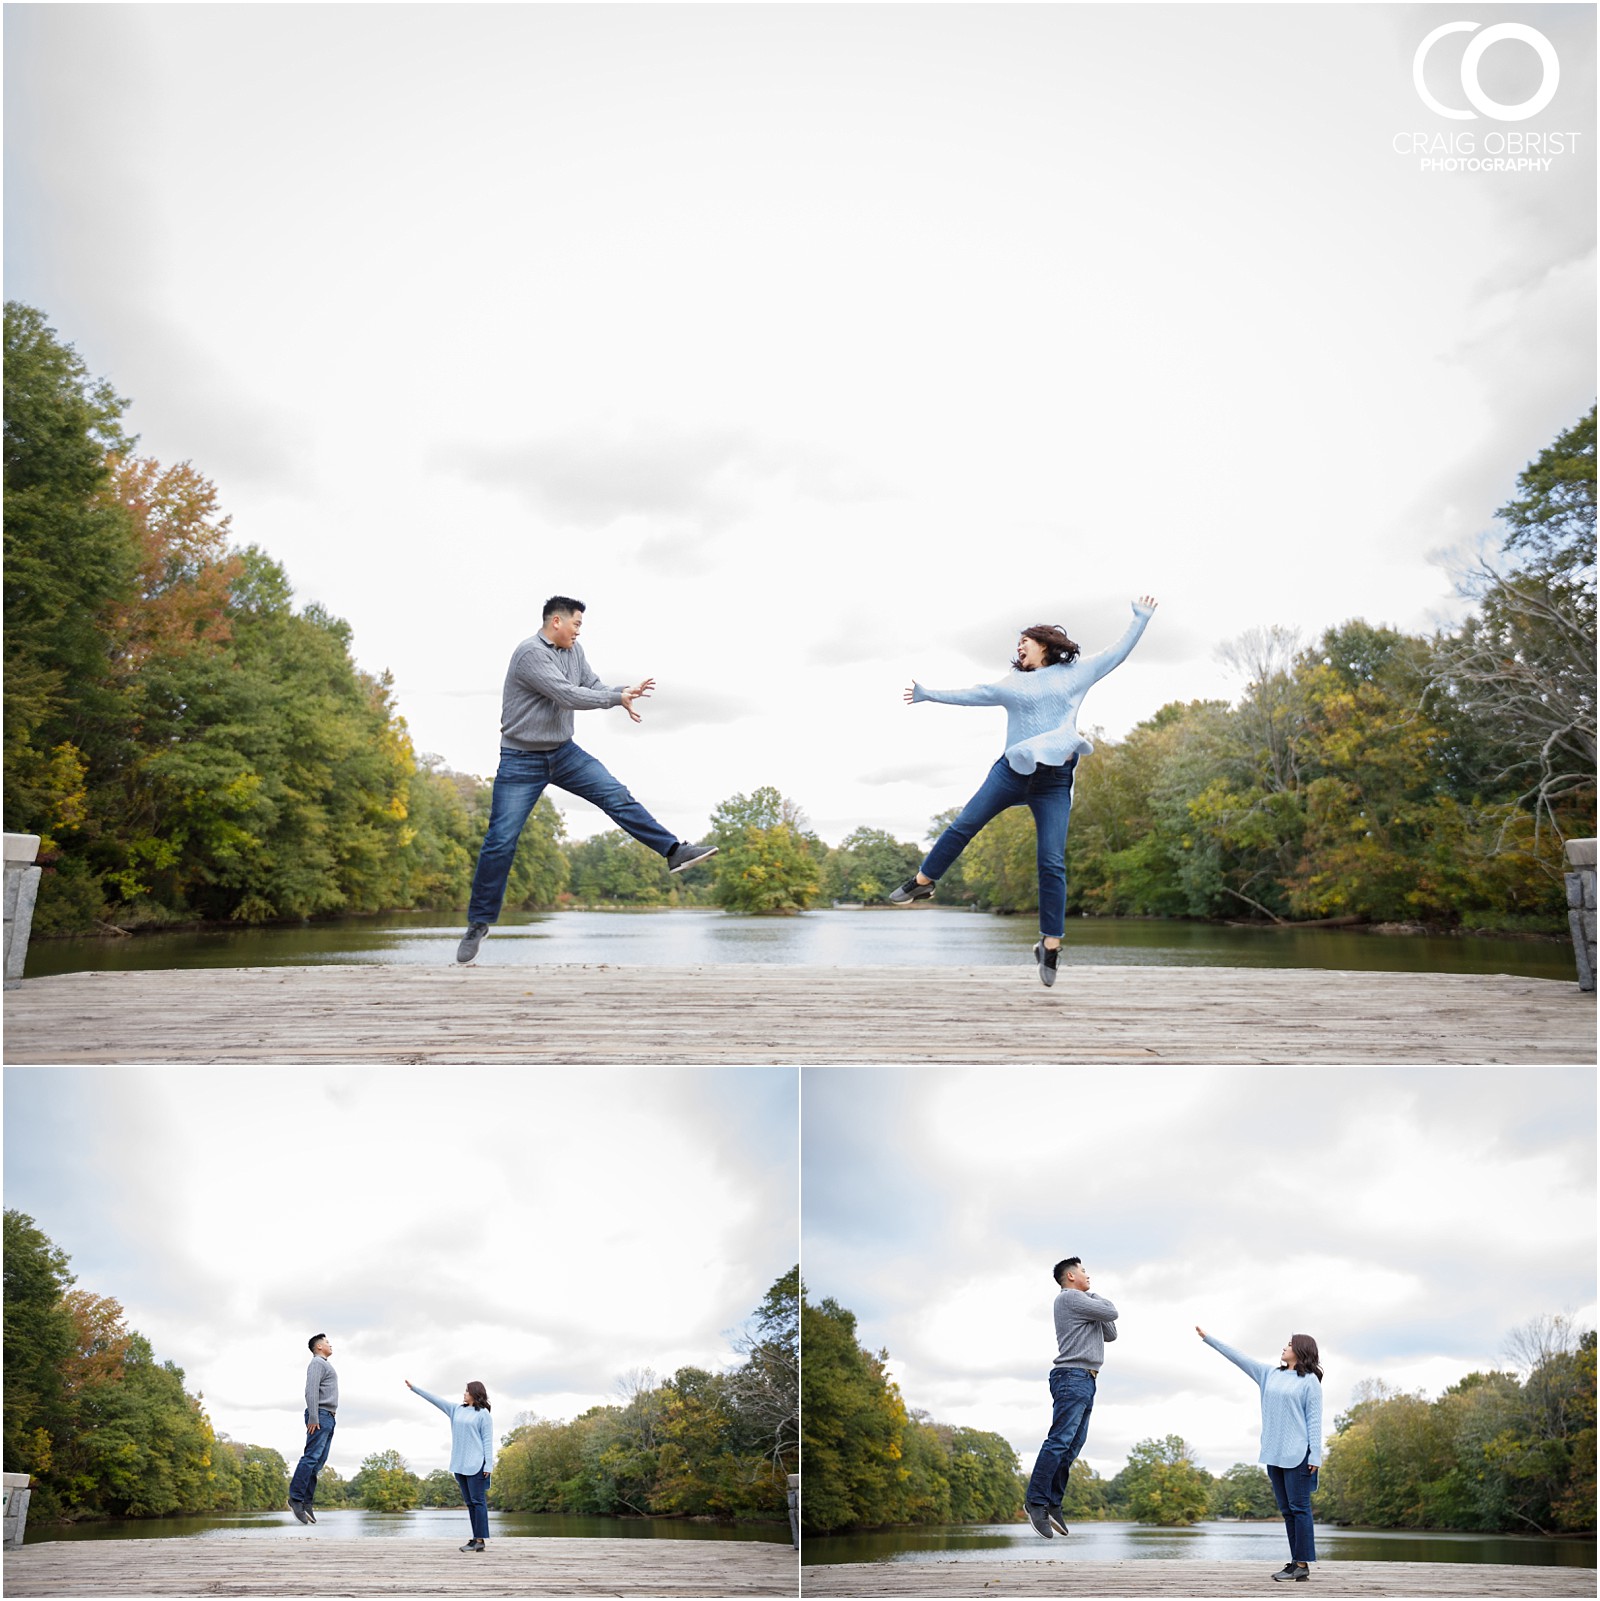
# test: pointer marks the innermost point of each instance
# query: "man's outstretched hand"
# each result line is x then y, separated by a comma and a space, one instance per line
638, 692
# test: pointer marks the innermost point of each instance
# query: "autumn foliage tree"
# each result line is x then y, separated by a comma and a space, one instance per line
103, 1428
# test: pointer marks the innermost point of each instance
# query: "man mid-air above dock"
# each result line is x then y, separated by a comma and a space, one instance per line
1084, 1322
322, 1406
548, 680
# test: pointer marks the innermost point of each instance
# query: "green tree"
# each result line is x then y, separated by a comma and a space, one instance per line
763, 1393
1087, 1497
386, 1484
1162, 1483
766, 861
867, 865
615, 869
1519, 673
262, 1475
853, 1422
1244, 1491
983, 1474
39, 1338
1001, 864
70, 563
333, 1489
440, 1489
189, 744
103, 1427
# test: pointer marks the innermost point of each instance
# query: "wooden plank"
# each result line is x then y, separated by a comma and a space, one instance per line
311, 1564
749, 1013
1062, 1576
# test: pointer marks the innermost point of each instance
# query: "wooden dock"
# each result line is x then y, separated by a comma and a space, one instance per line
1159, 1578
313, 1565
748, 1013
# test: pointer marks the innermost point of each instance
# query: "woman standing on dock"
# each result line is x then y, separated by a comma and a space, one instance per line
1291, 1438
1041, 696
471, 1454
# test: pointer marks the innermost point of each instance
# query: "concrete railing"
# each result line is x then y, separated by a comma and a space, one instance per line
794, 1508
21, 890
1580, 907
17, 1493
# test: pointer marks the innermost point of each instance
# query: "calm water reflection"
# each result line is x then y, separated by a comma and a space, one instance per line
433, 1523
921, 937
1206, 1542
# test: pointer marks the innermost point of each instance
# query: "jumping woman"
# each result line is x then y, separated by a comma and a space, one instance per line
471, 1454
1291, 1438
1041, 695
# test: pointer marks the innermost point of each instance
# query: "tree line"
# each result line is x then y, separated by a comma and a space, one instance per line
1496, 1453
700, 1444
106, 1430
192, 747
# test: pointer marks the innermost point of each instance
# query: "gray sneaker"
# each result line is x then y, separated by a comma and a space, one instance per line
1057, 1524
299, 1510
1040, 1519
683, 855
311, 1512
467, 950
911, 890
1045, 956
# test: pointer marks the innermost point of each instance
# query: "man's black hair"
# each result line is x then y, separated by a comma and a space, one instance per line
311, 1344
1062, 1266
563, 604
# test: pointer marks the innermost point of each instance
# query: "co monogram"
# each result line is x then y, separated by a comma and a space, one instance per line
1469, 71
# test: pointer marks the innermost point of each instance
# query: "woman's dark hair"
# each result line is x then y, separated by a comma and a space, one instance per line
1057, 647
480, 1396
1305, 1355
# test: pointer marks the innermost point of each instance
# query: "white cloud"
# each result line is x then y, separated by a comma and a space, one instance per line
1409, 1219
797, 336
547, 1229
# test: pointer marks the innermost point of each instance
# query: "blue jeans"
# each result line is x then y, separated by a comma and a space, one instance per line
1047, 793
303, 1486
475, 1492
1292, 1488
522, 779
1072, 1400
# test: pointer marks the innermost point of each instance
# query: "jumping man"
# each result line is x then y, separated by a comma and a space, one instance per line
548, 680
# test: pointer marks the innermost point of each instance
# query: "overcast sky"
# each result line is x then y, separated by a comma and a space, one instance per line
1407, 1218
815, 347
540, 1229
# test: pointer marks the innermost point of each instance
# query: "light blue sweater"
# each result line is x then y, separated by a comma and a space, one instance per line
1042, 706
1291, 1409
471, 1435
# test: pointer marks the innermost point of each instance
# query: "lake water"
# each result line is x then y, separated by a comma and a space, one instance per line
1205, 1542
924, 936
428, 1523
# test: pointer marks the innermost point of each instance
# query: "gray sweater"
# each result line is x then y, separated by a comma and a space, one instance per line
1084, 1322
322, 1386
544, 686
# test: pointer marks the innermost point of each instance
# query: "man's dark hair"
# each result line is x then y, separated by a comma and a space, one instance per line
564, 605
311, 1344
1062, 1266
